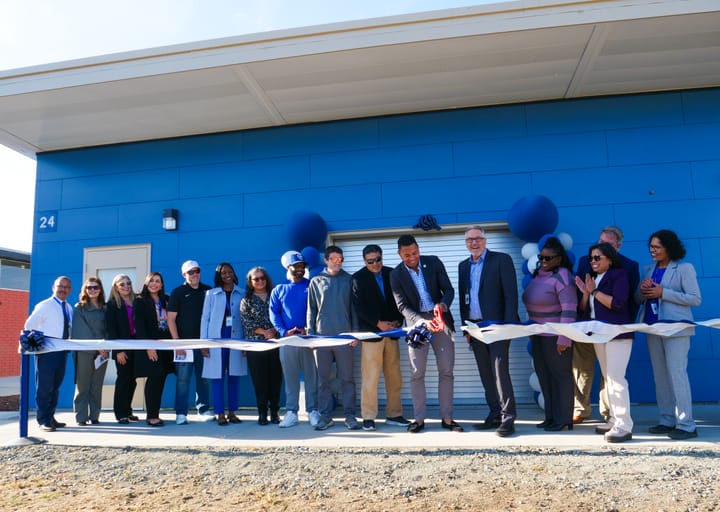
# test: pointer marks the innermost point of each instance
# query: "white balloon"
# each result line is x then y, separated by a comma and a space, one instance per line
529, 249
532, 263
566, 240
534, 382
541, 401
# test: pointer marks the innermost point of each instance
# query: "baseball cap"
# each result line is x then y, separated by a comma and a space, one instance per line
290, 258
189, 265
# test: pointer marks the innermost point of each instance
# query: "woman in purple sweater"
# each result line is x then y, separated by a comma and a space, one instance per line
551, 297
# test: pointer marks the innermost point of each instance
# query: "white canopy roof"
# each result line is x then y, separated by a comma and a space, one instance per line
492, 54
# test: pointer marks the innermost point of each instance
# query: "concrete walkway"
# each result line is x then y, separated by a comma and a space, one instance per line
249, 434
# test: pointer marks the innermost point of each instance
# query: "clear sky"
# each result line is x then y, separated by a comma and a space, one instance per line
36, 32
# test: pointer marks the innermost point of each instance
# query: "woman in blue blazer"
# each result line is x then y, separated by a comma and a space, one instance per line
669, 288
606, 297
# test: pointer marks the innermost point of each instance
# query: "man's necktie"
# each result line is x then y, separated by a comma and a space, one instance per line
66, 322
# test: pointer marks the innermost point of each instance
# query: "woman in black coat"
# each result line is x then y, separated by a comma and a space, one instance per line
120, 326
150, 313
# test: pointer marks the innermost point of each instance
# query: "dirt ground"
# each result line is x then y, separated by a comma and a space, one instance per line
613, 479
298, 479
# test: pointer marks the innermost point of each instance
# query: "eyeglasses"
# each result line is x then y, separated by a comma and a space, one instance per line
655, 247
262, 278
371, 261
92, 287
193, 271
477, 239
595, 258
336, 259
546, 258
124, 284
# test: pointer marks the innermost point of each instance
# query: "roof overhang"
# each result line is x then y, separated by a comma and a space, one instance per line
492, 54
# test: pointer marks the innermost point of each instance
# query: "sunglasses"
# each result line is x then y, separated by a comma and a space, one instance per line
92, 287
595, 258
370, 261
259, 278
124, 284
336, 259
546, 258
193, 271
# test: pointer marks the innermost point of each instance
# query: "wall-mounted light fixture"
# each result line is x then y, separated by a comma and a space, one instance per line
170, 219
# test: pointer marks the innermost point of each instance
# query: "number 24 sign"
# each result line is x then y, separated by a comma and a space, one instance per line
47, 221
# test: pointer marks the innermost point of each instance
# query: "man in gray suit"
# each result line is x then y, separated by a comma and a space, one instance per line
422, 291
488, 291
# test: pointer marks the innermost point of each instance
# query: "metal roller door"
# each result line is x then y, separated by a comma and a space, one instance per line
449, 246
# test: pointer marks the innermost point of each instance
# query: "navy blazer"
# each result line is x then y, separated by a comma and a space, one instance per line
632, 272
438, 285
498, 292
370, 305
614, 283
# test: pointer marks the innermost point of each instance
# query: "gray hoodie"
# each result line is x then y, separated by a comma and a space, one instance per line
329, 309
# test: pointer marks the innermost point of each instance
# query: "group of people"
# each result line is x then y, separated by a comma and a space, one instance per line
377, 298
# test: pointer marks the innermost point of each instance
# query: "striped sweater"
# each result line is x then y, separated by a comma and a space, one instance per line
551, 297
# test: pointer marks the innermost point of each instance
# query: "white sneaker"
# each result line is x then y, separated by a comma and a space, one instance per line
314, 417
290, 420
207, 416
181, 419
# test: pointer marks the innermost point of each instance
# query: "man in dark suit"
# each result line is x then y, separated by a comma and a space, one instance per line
584, 353
488, 291
376, 311
423, 292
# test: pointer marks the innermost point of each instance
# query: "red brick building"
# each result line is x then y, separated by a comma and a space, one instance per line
14, 297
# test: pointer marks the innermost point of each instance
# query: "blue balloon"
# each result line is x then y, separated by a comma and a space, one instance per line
525, 269
544, 239
532, 216
316, 270
306, 229
311, 256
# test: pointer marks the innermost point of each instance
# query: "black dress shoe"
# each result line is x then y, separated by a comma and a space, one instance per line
95, 422
159, 423
83, 423
558, 427
545, 423
47, 427
416, 427
488, 424
124, 421
262, 420
58, 424
132, 417
506, 429
661, 429
453, 426
682, 435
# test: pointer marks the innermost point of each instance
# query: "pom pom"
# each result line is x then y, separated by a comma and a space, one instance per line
32, 341
418, 336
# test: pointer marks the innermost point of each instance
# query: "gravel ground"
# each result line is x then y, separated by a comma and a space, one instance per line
299, 479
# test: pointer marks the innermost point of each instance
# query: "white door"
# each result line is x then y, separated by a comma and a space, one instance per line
105, 263
449, 246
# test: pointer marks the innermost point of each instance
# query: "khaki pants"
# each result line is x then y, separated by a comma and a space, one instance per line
380, 355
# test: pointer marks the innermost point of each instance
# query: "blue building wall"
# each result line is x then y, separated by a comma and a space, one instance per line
643, 162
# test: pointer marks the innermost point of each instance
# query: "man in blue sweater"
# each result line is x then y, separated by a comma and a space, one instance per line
288, 311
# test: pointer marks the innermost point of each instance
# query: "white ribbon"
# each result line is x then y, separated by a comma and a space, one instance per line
592, 331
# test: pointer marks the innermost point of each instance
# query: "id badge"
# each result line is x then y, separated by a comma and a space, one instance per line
467, 298
654, 307
228, 321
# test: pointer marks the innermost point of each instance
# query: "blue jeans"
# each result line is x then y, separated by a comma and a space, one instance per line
184, 373
218, 387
